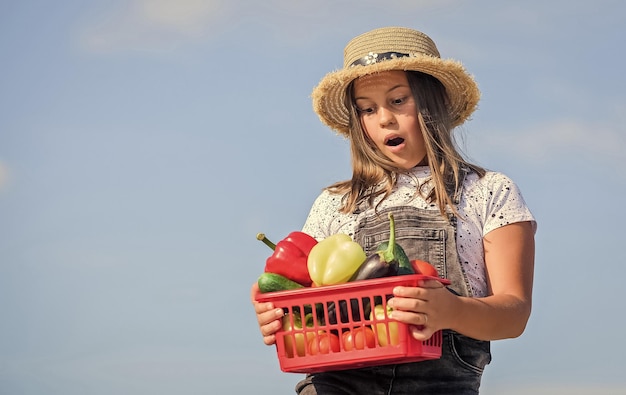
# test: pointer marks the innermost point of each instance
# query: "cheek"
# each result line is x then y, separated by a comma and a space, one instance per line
367, 126
371, 140
415, 127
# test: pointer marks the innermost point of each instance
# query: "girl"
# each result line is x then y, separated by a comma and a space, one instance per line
398, 102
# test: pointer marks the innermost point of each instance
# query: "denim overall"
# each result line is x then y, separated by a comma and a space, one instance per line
425, 235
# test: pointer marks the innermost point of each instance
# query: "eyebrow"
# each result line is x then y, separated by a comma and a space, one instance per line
389, 90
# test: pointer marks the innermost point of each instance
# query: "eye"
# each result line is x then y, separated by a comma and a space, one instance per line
368, 110
399, 100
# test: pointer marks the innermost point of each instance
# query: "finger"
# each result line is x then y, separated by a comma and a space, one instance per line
410, 317
264, 317
406, 304
409, 292
260, 307
254, 291
421, 332
430, 284
269, 340
270, 328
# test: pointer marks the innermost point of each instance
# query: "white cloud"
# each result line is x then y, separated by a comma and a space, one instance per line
183, 15
151, 25
564, 135
161, 25
602, 140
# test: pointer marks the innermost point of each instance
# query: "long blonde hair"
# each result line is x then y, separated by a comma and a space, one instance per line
374, 175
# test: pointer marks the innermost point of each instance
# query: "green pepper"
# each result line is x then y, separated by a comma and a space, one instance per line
334, 260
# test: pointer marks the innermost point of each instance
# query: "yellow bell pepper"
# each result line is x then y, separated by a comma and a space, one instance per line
297, 341
334, 260
382, 316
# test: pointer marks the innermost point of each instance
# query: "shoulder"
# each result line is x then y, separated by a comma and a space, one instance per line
491, 181
324, 211
327, 202
492, 186
496, 199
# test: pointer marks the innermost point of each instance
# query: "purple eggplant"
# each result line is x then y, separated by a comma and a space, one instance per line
354, 309
385, 261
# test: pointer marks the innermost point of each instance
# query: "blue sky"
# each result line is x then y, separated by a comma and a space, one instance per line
144, 144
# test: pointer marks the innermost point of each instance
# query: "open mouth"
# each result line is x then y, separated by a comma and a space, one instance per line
394, 141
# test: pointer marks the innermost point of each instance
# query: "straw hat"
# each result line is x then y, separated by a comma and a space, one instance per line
393, 48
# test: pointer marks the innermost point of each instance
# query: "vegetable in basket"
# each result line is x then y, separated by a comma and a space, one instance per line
272, 282
386, 329
358, 338
345, 311
425, 268
385, 261
324, 343
404, 264
290, 256
297, 341
334, 260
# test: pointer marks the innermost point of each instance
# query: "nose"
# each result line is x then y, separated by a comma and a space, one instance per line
386, 117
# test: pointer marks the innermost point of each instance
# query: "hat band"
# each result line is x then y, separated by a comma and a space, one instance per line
373, 57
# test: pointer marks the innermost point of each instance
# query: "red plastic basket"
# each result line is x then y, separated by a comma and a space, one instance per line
336, 309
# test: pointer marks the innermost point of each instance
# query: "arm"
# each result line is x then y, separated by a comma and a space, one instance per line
509, 262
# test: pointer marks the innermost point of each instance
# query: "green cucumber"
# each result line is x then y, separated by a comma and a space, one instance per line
271, 282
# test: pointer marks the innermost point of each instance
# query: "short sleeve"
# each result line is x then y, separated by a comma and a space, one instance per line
325, 208
504, 203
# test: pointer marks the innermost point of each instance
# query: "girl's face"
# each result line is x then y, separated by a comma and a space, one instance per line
388, 114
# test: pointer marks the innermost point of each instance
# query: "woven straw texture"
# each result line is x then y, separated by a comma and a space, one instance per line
328, 96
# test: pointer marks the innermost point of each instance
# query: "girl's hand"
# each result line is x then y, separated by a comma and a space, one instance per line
423, 308
268, 317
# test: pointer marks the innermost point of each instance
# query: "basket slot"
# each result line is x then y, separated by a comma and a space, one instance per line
435, 341
350, 310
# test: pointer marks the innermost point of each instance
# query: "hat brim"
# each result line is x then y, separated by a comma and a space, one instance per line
463, 93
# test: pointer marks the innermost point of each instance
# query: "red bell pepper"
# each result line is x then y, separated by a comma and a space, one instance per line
290, 256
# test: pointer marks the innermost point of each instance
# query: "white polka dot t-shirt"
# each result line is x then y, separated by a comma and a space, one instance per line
486, 204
